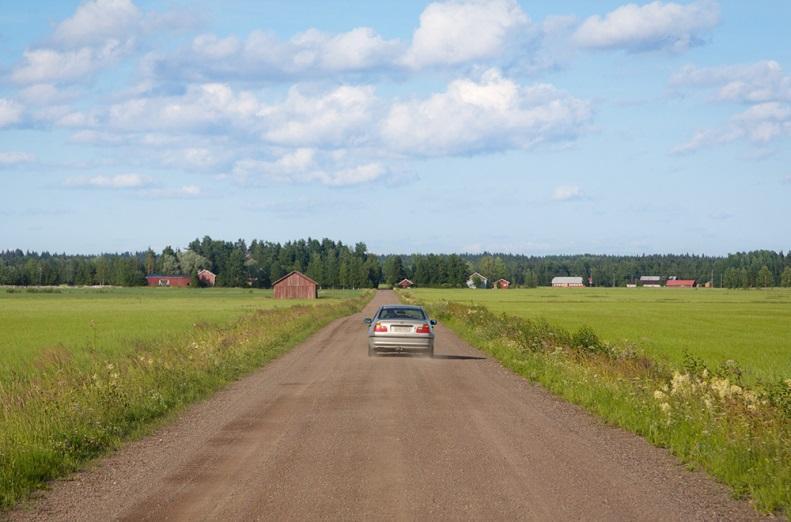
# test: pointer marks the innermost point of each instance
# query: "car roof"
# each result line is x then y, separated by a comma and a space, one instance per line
403, 306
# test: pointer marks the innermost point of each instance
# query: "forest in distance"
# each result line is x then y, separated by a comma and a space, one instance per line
337, 265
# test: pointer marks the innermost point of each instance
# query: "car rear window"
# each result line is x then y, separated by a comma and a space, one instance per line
402, 313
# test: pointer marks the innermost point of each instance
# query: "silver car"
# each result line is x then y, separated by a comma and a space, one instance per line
401, 328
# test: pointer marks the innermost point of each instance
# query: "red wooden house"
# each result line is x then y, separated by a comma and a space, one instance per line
405, 283
502, 283
168, 280
296, 285
207, 277
680, 283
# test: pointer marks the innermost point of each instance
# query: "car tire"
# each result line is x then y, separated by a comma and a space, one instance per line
431, 353
371, 352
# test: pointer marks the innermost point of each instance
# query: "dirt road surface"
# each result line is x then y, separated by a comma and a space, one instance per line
325, 432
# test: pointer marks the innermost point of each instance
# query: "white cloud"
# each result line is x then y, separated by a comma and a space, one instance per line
568, 193
215, 48
202, 106
10, 159
118, 181
97, 21
651, 26
358, 49
760, 124
183, 192
762, 86
99, 34
463, 31
48, 65
10, 112
341, 117
491, 114
262, 55
306, 165
748, 83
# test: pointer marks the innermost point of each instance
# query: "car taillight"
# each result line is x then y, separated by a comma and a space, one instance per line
379, 327
425, 329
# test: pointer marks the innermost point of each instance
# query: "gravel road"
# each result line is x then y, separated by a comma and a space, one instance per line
325, 432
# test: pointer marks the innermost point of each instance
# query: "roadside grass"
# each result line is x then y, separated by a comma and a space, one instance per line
708, 417
74, 403
752, 327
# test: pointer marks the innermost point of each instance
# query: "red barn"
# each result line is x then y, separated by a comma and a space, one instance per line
168, 280
502, 283
680, 283
296, 285
207, 277
405, 283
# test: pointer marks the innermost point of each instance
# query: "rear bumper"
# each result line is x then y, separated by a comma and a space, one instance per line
393, 343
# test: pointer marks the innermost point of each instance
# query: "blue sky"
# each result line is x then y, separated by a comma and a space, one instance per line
532, 127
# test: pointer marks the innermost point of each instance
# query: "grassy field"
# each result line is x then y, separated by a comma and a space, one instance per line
752, 327
83, 370
711, 416
112, 321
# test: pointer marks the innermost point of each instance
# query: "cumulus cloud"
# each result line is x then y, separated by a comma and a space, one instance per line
182, 192
464, 31
761, 124
52, 65
118, 181
305, 165
762, 86
10, 112
97, 21
200, 107
11, 159
491, 114
747, 83
99, 34
261, 55
341, 117
652, 26
567, 193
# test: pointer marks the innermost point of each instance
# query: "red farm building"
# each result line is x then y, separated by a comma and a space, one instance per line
502, 283
680, 283
405, 283
207, 277
168, 280
296, 285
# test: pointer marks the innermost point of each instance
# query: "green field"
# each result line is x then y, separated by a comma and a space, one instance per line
112, 321
82, 370
752, 327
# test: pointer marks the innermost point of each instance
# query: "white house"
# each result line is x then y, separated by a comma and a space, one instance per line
477, 279
567, 282
651, 281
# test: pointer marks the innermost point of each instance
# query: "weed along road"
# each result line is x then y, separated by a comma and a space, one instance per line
325, 432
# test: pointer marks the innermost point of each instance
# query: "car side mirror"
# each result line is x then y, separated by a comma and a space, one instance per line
368, 321
433, 322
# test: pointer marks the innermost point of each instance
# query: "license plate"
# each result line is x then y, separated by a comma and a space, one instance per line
402, 329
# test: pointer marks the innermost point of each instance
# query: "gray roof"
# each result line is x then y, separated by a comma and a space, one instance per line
650, 278
567, 280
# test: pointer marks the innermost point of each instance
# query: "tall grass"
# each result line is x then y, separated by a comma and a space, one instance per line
55, 419
715, 324
706, 416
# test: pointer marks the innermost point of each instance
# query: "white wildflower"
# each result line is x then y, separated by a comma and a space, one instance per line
665, 407
721, 387
659, 395
680, 384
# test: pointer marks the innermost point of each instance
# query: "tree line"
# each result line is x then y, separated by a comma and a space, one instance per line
336, 265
